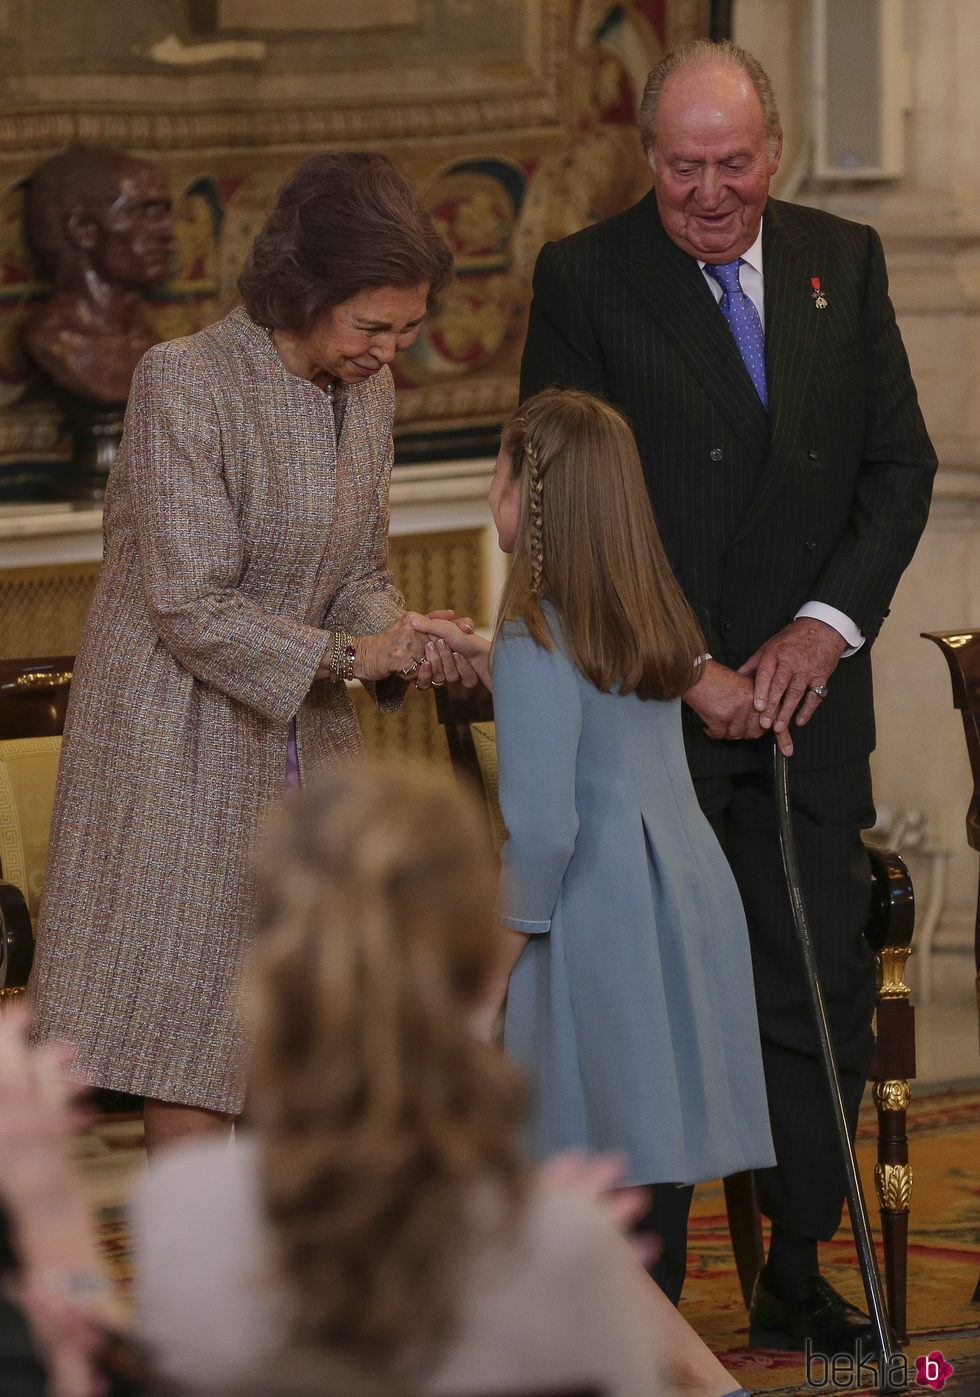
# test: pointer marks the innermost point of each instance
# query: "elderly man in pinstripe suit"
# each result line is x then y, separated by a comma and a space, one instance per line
754, 348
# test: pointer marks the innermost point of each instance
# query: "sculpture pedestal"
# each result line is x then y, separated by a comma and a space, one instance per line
95, 430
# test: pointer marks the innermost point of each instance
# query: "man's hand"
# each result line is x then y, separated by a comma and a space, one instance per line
723, 700
789, 667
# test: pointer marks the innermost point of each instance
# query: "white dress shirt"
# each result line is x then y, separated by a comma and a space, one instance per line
752, 283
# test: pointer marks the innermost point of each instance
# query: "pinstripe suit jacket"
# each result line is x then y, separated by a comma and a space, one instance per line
823, 498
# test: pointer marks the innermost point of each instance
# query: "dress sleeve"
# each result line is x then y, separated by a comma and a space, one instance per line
538, 714
191, 549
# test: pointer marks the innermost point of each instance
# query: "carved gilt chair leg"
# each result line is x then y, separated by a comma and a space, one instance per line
894, 1066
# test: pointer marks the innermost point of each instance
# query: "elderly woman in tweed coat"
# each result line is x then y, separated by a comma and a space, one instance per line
245, 579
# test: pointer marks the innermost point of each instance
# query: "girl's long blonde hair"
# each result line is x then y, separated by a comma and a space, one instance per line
379, 1114
587, 540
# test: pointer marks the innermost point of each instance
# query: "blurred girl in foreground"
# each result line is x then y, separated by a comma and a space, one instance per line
378, 1212
380, 1208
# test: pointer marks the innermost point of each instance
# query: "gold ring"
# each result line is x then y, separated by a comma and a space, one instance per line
416, 665
438, 683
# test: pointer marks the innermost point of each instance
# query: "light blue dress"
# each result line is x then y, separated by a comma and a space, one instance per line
632, 1004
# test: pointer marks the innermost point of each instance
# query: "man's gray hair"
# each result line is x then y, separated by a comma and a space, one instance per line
706, 53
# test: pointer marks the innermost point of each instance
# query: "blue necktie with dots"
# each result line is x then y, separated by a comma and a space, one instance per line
743, 318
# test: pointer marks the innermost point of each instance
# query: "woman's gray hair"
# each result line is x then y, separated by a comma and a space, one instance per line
344, 222
705, 53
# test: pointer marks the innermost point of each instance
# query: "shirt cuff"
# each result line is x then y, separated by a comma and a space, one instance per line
517, 924
842, 624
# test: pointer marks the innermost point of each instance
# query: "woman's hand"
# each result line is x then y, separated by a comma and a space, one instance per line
398, 649
454, 652
401, 649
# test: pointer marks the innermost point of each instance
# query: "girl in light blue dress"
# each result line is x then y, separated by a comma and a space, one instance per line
627, 972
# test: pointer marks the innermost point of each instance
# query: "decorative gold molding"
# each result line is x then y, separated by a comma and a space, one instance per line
890, 968
893, 1185
236, 129
468, 400
42, 679
891, 1096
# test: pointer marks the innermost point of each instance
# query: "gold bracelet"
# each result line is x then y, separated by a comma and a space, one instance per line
342, 655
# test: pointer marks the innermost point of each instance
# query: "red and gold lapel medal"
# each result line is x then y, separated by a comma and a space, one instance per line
819, 299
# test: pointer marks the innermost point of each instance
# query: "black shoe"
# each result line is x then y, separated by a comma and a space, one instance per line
819, 1314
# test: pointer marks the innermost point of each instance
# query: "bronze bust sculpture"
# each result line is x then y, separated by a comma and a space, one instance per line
99, 222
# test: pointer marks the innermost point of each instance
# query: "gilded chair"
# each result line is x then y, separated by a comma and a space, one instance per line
467, 716
33, 699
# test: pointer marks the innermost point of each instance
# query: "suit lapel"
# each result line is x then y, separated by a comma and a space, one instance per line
790, 258
671, 287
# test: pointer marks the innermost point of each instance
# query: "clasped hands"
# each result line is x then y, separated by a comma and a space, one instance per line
775, 685
417, 648
428, 651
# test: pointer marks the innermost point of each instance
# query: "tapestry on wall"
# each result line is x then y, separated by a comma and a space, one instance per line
516, 121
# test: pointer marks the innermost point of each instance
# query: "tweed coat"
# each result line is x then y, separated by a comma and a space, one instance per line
237, 533
823, 498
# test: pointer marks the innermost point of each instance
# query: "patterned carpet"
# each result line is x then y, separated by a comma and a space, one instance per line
944, 1257
109, 1156
944, 1249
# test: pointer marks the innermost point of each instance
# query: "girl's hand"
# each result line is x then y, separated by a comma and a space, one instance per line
494, 995
470, 652
444, 666
599, 1176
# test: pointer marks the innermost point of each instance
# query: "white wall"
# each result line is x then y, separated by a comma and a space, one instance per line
930, 224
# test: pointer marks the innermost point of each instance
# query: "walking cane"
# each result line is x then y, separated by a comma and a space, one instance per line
856, 1206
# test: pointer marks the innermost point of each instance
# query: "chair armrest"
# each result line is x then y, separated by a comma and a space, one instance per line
891, 915
16, 939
